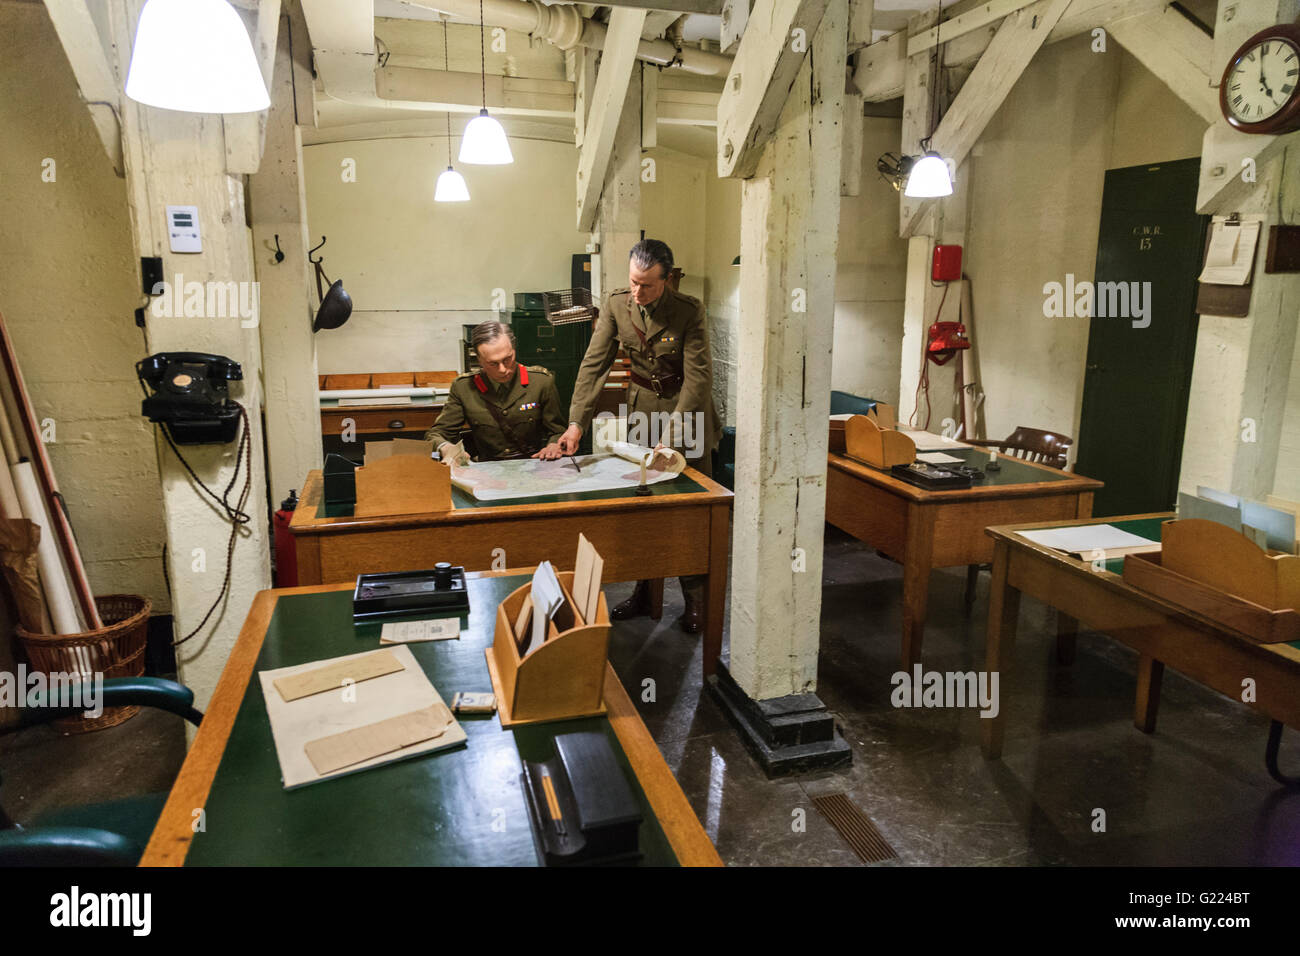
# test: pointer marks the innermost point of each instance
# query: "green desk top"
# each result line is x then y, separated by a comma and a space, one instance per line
681, 485
464, 806
1012, 470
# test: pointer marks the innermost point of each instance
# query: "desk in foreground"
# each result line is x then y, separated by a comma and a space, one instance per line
682, 527
460, 807
937, 529
1160, 631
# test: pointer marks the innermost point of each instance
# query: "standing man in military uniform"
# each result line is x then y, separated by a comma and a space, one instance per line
666, 337
512, 410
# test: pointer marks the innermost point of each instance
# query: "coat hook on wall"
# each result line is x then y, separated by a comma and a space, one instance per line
313, 249
279, 253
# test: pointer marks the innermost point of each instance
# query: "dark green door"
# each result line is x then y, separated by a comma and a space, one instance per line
1139, 369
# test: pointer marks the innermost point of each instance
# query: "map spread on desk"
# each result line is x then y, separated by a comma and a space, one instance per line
532, 477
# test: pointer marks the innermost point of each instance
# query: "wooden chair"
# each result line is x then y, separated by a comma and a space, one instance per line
1028, 444
1032, 444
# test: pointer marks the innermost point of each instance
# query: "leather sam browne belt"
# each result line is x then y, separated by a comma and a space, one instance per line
665, 386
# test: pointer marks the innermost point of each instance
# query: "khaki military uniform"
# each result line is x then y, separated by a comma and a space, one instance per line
513, 420
672, 368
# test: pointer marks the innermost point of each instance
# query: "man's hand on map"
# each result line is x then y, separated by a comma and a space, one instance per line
661, 451
453, 454
568, 442
551, 452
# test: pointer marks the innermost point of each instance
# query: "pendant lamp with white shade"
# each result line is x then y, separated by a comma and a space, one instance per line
451, 184
484, 143
194, 56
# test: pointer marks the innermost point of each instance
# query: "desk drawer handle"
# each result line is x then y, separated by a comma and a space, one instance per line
397, 423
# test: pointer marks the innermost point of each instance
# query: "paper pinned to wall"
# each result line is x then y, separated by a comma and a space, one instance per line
1231, 256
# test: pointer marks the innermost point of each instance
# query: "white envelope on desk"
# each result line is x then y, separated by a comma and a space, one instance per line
309, 720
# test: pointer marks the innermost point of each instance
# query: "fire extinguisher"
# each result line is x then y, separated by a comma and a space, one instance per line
286, 558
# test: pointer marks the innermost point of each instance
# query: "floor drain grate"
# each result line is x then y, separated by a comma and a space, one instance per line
855, 827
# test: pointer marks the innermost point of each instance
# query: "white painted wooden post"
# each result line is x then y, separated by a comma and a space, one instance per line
789, 238
278, 206
619, 208
180, 158
1242, 368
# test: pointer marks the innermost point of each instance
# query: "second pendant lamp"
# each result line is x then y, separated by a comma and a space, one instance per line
484, 143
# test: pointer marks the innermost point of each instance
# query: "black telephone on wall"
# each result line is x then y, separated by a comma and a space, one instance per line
189, 396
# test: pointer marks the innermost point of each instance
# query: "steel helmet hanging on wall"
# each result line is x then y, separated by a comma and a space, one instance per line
335, 305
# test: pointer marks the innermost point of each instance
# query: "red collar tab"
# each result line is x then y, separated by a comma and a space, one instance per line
480, 384
523, 375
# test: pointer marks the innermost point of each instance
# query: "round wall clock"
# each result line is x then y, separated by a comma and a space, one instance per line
1259, 92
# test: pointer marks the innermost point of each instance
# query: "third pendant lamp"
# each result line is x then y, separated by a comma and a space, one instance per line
451, 184
484, 143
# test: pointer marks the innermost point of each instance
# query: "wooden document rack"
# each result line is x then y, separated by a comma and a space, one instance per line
564, 677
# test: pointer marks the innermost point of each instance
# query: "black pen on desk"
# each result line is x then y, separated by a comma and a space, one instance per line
575, 463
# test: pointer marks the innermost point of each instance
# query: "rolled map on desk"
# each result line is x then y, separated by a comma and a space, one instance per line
619, 468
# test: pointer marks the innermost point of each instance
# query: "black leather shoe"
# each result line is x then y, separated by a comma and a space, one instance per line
638, 605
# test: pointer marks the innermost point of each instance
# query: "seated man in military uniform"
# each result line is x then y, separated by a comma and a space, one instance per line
512, 410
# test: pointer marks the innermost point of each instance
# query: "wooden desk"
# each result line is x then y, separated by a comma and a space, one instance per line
461, 806
683, 527
937, 529
369, 421
1161, 632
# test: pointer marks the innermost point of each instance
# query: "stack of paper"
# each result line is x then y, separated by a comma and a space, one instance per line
928, 441
1089, 539
1267, 526
547, 596
334, 717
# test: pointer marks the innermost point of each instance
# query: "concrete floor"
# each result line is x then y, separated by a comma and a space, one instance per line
1195, 793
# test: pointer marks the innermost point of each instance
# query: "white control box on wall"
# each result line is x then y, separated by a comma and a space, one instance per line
183, 228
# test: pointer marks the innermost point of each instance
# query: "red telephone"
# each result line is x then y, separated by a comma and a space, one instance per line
945, 340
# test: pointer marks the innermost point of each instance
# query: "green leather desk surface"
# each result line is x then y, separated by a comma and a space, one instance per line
463, 806
1012, 470
681, 485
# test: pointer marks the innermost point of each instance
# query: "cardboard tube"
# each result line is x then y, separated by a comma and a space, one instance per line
7, 440
9, 495
54, 580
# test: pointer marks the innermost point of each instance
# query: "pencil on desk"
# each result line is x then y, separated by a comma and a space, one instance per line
553, 803
575, 462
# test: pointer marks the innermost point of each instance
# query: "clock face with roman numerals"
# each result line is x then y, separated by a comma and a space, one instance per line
1259, 92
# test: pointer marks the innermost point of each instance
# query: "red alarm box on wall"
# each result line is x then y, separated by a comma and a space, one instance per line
947, 264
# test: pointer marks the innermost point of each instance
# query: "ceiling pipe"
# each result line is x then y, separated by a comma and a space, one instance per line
343, 42
563, 25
